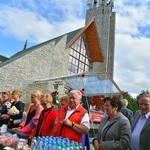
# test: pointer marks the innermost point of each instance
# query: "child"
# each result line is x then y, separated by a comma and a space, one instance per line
18, 106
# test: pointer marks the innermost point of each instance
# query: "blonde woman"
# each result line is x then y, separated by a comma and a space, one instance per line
33, 112
47, 117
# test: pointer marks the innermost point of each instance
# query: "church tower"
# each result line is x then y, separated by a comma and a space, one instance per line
101, 12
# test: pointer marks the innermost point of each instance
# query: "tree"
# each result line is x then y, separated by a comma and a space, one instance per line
132, 102
142, 92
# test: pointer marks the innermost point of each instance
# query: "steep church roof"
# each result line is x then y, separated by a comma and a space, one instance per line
19, 54
3, 58
92, 37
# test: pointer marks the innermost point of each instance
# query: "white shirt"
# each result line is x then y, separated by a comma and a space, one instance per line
85, 119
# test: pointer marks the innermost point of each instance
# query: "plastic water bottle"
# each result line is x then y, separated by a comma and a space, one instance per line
80, 146
39, 145
33, 143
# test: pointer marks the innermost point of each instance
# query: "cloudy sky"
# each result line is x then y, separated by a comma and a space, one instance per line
41, 20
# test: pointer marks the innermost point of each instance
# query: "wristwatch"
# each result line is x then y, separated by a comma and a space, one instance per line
72, 124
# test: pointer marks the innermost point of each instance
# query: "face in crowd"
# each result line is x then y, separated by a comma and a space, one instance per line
6, 96
144, 104
46, 101
16, 94
112, 105
74, 99
36, 96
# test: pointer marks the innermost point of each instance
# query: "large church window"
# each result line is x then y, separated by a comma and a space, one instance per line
79, 60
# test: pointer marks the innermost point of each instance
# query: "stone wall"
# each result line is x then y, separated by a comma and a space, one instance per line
105, 23
45, 61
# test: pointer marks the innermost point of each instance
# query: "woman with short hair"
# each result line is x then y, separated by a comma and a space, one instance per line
47, 117
114, 131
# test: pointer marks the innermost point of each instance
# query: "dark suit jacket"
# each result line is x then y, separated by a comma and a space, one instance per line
145, 133
128, 113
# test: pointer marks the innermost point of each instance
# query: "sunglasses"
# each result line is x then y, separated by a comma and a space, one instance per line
44, 104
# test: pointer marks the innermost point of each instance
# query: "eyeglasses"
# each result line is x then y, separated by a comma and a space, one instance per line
43, 104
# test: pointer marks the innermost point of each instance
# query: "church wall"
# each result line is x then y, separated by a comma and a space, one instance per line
44, 62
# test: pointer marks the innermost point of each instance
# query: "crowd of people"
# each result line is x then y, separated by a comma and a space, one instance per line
119, 129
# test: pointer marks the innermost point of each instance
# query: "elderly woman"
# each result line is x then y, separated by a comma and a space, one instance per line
114, 131
47, 117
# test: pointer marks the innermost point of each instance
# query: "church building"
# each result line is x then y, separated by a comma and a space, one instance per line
88, 50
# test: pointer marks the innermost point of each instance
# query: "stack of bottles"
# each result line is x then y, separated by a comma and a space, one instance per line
54, 143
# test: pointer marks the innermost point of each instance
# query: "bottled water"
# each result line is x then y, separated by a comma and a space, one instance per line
54, 143
80, 146
40, 145
33, 144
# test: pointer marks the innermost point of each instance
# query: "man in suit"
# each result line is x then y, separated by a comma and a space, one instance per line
125, 111
141, 125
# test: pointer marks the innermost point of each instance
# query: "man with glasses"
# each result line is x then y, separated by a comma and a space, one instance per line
73, 119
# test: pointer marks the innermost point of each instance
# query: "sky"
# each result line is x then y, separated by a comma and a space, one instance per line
41, 20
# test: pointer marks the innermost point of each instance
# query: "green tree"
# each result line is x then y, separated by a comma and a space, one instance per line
132, 102
142, 92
